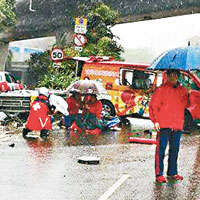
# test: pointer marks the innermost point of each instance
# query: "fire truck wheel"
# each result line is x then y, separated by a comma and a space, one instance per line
108, 109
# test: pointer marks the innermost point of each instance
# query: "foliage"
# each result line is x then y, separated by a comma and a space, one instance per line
43, 73
58, 79
100, 39
7, 14
38, 66
100, 42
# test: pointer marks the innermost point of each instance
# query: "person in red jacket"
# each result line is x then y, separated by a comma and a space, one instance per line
74, 103
92, 105
39, 116
90, 116
166, 109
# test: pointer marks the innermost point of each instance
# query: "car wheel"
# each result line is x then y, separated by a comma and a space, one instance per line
188, 123
108, 109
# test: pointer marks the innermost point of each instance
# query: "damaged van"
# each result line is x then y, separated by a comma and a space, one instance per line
130, 87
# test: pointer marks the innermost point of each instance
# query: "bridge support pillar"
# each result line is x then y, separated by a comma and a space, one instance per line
3, 55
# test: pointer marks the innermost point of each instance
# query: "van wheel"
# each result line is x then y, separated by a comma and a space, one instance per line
188, 123
108, 109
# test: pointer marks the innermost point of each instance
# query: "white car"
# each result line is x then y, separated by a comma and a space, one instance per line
10, 80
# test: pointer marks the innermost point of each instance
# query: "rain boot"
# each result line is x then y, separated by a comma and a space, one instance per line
25, 132
44, 134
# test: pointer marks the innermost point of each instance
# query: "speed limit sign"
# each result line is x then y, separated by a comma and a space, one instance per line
56, 54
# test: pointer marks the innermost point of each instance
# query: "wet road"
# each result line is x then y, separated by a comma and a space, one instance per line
48, 170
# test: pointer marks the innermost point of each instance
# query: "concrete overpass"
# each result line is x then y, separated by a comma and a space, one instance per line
39, 18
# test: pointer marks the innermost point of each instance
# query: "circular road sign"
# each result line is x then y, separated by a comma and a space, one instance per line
56, 54
79, 40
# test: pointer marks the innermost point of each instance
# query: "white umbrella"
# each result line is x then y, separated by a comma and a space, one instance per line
60, 104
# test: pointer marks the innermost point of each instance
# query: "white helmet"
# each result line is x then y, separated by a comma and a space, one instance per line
44, 91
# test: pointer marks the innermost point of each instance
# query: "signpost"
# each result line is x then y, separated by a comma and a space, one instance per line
80, 29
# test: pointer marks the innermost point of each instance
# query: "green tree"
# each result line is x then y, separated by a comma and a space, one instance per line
7, 14
100, 39
100, 42
38, 67
43, 73
60, 78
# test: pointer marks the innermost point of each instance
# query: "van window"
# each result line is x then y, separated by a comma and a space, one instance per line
137, 79
13, 79
8, 79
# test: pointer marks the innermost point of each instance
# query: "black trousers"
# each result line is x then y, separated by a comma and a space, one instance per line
43, 132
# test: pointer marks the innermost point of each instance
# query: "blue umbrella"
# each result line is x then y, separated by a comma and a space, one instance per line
186, 58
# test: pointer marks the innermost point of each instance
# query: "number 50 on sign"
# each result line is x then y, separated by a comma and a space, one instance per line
57, 54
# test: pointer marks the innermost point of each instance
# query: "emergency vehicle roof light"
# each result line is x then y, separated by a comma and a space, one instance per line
100, 58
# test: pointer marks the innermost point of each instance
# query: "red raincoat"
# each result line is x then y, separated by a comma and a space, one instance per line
94, 108
73, 105
39, 117
167, 106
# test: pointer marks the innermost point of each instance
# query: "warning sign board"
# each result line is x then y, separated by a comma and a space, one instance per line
80, 25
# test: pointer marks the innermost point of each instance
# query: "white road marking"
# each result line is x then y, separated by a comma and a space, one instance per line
110, 190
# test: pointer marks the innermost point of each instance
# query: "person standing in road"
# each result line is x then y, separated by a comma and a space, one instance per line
39, 116
166, 109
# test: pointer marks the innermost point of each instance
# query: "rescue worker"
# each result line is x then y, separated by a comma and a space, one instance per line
61, 106
74, 103
166, 109
92, 105
39, 116
90, 117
